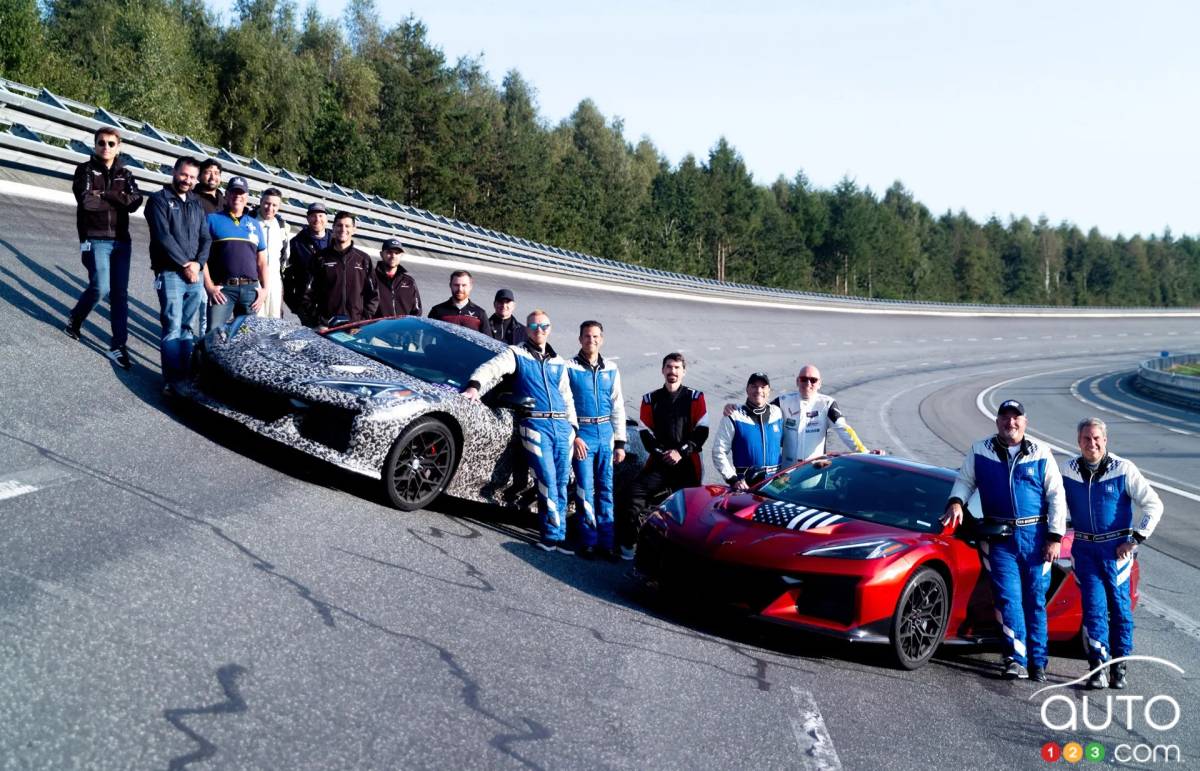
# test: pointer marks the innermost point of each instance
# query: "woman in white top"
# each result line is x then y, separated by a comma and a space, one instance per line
277, 244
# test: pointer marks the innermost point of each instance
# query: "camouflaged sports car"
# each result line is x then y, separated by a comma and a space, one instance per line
380, 398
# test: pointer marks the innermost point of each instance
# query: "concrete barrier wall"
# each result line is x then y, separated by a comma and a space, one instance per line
1154, 380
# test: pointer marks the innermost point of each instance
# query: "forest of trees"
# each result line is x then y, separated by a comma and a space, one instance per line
380, 109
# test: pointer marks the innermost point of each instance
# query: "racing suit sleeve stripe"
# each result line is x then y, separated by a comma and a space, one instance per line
491, 371
699, 433
564, 388
849, 437
1056, 496
1148, 505
964, 485
616, 416
649, 441
722, 451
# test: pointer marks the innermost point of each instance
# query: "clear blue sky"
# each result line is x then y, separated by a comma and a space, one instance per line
1081, 111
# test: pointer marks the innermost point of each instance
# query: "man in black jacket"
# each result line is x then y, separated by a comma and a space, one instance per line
302, 255
674, 428
343, 283
459, 309
503, 326
208, 186
179, 241
105, 195
398, 294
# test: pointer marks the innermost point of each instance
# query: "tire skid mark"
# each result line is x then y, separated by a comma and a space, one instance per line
233, 704
527, 730
483, 584
760, 664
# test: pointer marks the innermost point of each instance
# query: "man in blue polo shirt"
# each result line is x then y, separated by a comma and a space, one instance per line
236, 274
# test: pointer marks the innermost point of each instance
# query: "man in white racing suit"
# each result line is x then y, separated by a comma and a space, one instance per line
807, 417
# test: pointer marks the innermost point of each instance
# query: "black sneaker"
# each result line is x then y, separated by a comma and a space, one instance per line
1119, 680
1037, 674
71, 330
120, 357
1014, 670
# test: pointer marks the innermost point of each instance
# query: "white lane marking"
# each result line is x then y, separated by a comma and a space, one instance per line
714, 347
872, 342
797, 344
1180, 620
65, 198
1152, 477
886, 407
614, 358
769, 345
743, 347
997, 338
972, 339
812, 737
649, 353
822, 343
1047, 337
947, 339
1095, 391
11, 488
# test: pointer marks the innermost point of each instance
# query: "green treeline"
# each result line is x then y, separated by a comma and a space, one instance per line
380, 109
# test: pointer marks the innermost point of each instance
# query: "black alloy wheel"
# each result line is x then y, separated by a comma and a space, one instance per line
420, 464
920, 621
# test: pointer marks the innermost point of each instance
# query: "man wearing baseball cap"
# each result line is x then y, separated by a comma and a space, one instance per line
302, 253
503, 326
750, 437
398, 294
1019, 486
235, 275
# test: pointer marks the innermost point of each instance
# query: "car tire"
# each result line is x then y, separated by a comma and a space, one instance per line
420, 464
919, 623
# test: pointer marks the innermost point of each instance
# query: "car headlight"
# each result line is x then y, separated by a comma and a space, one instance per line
363, 389
859, 550
674, 507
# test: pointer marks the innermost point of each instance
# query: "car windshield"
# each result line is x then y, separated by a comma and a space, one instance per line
907, 498
416, 348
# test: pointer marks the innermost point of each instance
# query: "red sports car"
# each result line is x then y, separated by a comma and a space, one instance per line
845, 545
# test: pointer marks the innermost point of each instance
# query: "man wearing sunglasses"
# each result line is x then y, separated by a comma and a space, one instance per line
548, 428
106, 193
807, 417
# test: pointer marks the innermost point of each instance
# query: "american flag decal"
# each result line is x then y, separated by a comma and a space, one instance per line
793, 516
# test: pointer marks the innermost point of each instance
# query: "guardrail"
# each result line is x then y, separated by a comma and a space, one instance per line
52, 133
1154, 380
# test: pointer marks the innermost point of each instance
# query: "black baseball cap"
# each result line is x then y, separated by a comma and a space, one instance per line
506, 295
759, 377
1010, 404
315, 207
237, 183
393, 245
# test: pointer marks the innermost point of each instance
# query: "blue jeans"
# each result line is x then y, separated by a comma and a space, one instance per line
238, 300
180, 316
107, 264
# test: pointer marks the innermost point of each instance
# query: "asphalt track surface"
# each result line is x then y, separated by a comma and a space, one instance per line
175, 593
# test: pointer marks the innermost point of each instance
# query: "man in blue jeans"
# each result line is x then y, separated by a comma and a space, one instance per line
179, 242
235, 276
106, 194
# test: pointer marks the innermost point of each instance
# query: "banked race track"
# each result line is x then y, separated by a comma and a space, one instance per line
177, 594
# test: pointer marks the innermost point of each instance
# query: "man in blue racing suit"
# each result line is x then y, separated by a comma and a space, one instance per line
749, 438
1102, 491
600, 406
548, 429
1019, 485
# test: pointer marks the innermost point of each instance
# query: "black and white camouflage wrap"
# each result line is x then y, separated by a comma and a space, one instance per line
268, 367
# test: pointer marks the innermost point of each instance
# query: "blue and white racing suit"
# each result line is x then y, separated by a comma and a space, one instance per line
600, 406
547, 430
1020, 486
748, 439
1101, 503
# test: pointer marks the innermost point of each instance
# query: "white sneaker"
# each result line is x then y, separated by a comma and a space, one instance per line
627, 552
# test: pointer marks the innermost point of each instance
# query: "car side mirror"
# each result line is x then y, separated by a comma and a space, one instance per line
511, 401
755, 476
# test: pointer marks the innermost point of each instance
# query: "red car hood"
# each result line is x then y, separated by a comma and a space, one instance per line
753, 530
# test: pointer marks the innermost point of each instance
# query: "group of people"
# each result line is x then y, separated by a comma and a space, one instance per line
1113, 509
214, 260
